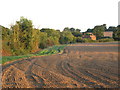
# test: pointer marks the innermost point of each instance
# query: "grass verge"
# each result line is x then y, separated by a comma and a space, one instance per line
48, 51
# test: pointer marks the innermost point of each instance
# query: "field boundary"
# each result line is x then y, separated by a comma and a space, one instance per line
35, 55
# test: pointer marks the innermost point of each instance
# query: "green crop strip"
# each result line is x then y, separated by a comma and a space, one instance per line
48, 51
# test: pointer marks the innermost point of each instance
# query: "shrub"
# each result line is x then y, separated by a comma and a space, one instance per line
106, 40
88, 40
79, 39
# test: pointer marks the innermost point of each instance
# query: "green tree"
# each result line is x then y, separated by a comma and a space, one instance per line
53, 36
77, 34
6, 39
66, 37
23, 36
98, 31
66, 29
80, 40
35, 40
111, 28
72, 29
43, 40
15, 39
89, 30
26, 31
116, 33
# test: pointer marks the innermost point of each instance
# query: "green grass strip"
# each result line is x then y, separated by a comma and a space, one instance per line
48, 51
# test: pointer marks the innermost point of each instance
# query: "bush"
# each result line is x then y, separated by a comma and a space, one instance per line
88, 40
47, 51
106, 40
79, 39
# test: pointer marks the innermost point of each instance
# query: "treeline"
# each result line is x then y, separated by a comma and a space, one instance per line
99, 31
23, 38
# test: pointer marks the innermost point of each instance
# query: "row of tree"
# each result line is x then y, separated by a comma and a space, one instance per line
22, 38
99, 31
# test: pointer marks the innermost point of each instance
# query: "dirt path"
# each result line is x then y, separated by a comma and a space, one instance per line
79, 66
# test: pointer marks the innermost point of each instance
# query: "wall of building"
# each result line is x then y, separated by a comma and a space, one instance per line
108, 34
91, 36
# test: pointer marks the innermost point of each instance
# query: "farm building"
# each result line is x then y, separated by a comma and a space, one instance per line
108, 34
89, 35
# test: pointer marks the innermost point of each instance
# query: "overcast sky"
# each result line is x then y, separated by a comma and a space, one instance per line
57, 14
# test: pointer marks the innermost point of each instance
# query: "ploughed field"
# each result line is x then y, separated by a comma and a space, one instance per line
88, 65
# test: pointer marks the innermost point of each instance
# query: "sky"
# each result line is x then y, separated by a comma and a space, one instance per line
58, 14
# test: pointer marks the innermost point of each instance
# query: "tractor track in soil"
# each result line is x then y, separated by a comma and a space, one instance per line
77, 67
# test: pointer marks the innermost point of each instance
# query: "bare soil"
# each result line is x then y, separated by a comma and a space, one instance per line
78, 66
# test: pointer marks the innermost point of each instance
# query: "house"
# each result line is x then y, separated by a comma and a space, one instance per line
89, 35
108, 34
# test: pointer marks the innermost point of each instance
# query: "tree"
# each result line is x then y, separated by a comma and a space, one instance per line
66, 37
77, 34
78, 30
53, 36
6, 39
116, 33
43, 40
66, 29
98, 31
15, 39
111, 28
72, 29
80, 40
35, 40
23, 36
89, 30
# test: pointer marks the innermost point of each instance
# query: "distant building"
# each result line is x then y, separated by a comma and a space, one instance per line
89, 35
108, 34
